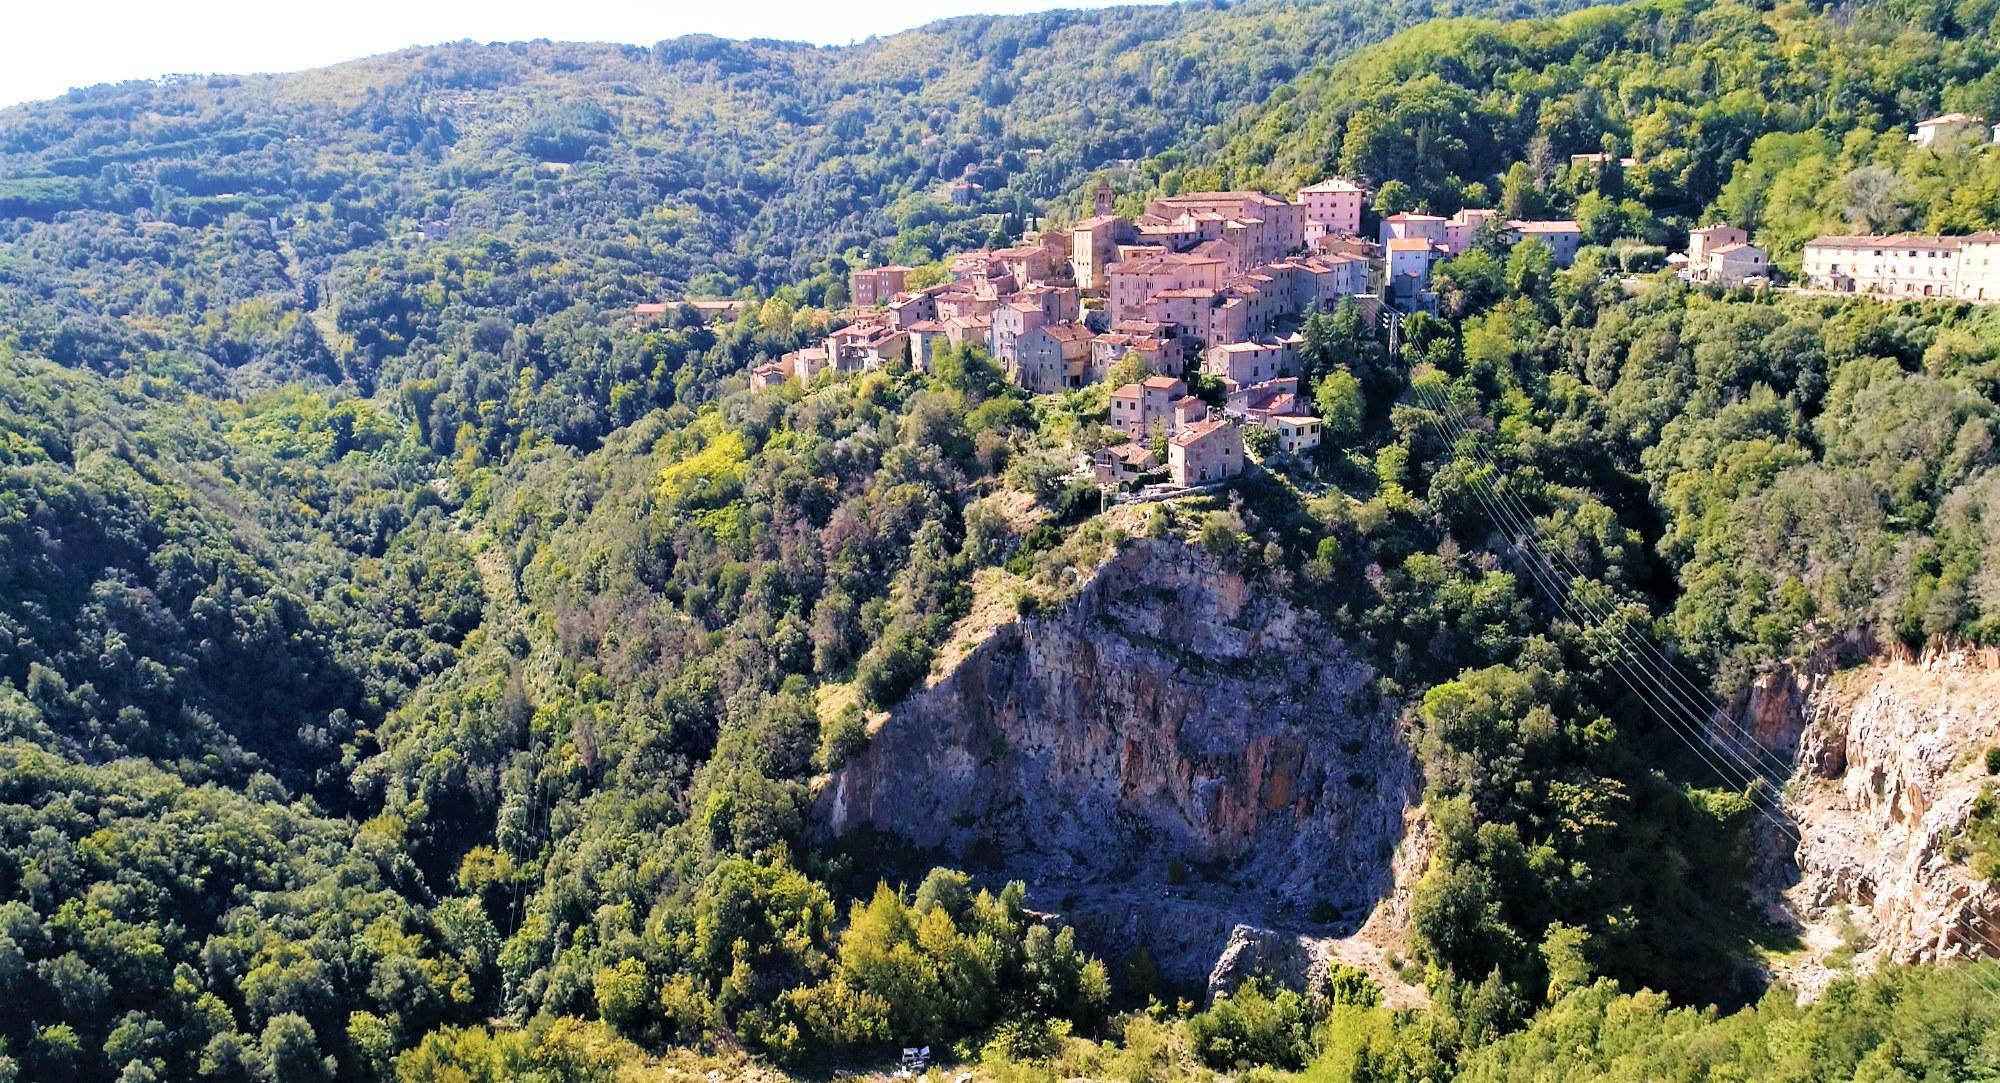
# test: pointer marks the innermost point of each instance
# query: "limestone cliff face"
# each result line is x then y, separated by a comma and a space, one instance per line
1890, 759
1177, 751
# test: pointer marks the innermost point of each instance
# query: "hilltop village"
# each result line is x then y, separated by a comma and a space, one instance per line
1214, 287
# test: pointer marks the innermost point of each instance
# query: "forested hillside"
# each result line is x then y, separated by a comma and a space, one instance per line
412, 668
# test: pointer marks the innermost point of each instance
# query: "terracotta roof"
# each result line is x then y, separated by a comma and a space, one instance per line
1951, 118
1160, 383
649, 309
1891, 240
1186, 198
1332, 184
1408, 217
1409, 244
1129, 391
1156, 264
1552, 226
1197, 431
1296, 419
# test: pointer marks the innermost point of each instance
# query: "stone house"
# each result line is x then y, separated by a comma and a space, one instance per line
1929, 131
1734, 264
1010, 322
964, 302
1026, 264
1562, 236
1109, 348
1059, 304
1122, 465
1051, 358
768, 374
1461, 228
960, 330
1137, 408
805, 364
984, 274
1185, 411
1257, 402
1297, 433
866, 346
1205, 451
1251, 362
1707, 239
927, 337
1409, 226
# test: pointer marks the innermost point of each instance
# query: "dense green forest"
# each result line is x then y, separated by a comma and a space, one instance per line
412, 669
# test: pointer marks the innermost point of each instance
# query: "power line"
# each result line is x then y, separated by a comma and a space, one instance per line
1541, 567
1667, 677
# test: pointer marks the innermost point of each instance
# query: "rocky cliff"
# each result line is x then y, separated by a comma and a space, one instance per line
1890, 759
1177, 752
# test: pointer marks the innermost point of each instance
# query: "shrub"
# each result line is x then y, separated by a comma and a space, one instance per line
1252, 1026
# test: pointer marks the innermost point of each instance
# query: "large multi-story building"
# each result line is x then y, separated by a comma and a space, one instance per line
1135, 281
1010, 322
1979, 267
877, 285
1094, 246
1899, 265
1331, 206
1260, 227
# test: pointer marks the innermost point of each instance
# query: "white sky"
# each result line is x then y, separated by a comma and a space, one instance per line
48, 46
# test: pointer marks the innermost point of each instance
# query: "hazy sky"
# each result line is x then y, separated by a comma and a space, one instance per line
48, 46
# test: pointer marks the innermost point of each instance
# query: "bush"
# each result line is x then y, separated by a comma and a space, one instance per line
841, 739
1252, 1026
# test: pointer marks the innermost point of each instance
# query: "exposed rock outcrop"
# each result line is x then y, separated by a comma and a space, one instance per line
1890, 760
1177, 752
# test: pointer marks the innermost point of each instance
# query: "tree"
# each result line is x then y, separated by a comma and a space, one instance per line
1394, 197
1530, 268
1341, 405
1871, 199
1520, 194
1130, 369
292, 1052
